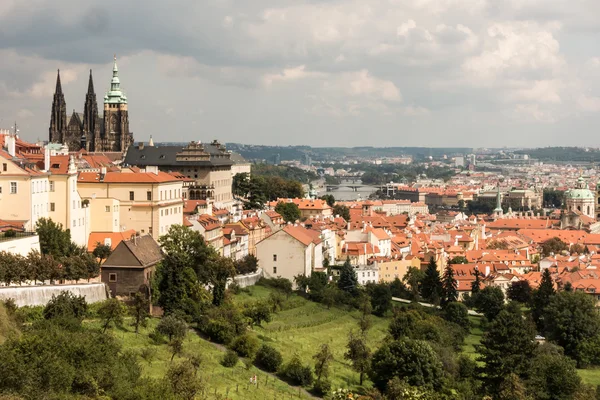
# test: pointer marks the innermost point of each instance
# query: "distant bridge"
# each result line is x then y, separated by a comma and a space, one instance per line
353, 186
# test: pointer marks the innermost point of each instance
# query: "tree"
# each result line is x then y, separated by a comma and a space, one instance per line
175, 282
348, 281
398, 288
112, 311
101, 252
512, 388
219, 272
358, 353
519, 291
489, 302
554, 246
381, 298
53, 239
183, 380
75, 267
364, 321
458, 314
323, 359
553, 376
288, 211
541, 298
449, 287
172, 327
139, 310
258, 313
506, 347
44, 266
476, 284
412, 360
91, 266
414, 278
431, 287
247, 265
268, 359
297, 373
458, 260
570, 320
578, 249
66, 305
329, 199
342, 210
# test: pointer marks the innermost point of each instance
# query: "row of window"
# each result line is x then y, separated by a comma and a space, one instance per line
173, 210
115, 208
167, 194
78, 222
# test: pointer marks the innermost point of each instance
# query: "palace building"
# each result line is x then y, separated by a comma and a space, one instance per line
89, 131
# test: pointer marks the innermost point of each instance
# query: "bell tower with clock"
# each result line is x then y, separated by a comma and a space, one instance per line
117, 136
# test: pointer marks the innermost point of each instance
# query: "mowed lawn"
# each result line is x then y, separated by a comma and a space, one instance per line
221, 382
303, 326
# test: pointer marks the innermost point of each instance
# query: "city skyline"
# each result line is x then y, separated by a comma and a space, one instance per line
457, 73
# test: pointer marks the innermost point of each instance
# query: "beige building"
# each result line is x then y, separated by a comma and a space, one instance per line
289, 252
149, 202
390, 269
24, 191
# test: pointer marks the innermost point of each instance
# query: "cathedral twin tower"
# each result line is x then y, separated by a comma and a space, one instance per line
88, 131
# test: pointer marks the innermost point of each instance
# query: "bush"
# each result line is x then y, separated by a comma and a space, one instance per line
230, 359
157, 338
245, 345
296, 373
172, 327
11, 233
322, 387
66, 306
457, 313
219, 331
268, 359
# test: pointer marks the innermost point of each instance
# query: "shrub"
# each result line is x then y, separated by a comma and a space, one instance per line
296, 373
245, 345
457, 313
172, 327
322, 387
156, 338
268, 359
230, 359
148, 353
66, 305
219, 331
11, 233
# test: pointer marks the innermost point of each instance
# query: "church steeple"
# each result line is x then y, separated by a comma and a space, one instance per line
58, 118
90, 117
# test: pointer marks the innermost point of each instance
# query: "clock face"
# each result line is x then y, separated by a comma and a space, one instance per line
113, 123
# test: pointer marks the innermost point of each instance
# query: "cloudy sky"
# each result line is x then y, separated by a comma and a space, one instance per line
317, 72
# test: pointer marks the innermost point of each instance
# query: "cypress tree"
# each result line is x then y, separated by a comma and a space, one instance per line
449, 286
541, 298
431, 288
476, 284
348, 281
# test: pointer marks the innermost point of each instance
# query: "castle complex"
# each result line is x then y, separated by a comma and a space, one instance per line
89, 131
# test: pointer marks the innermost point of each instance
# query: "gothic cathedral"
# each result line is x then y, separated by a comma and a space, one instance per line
88, 131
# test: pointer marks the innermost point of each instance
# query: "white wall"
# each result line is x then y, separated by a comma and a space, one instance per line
293, 258
40, 199
21, 245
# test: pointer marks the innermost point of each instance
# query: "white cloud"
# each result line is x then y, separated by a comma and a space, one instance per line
589, 103
290, 75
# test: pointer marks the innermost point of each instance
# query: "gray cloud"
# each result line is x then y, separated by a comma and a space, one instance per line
345, 72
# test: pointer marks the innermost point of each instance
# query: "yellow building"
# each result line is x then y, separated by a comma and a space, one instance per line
391, 269
149, 202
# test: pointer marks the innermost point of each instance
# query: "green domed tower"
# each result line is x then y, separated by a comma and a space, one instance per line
581, 199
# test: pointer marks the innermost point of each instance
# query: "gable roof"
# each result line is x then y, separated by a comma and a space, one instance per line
167, 156
144, 250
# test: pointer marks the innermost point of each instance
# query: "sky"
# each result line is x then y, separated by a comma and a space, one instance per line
473, 73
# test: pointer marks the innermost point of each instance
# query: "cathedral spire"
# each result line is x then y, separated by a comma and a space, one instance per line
58, 89
90, 84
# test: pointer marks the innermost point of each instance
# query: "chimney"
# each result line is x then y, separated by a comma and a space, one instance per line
141, 145
11, 144
365, 248
487, 270
46, 158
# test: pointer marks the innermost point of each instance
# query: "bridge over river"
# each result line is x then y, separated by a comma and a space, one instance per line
351, 189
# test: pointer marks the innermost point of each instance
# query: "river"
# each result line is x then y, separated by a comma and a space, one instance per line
345, 193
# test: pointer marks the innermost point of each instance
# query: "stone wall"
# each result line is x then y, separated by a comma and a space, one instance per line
40, 295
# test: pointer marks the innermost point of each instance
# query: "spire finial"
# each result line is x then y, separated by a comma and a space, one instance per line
58, 89
91, 84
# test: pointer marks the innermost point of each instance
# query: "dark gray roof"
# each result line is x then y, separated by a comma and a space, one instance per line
237, 158
142, 251
166, 156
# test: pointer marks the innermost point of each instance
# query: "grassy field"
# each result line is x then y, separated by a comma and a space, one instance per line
221, 382
303, 326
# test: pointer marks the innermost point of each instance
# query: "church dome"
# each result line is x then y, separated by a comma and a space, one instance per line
581, 192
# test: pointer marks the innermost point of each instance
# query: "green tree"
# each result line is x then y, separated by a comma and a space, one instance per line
519, 291
258, 313
381, 298
458, 314
101, 252
512, 388
412, 360
507, 347
431, 287
489, 301
553, 377
176, 282
476, 284
358, 353
323, 359
458, 260
414, 278
66, 305
571, 321
329, 199
342, 210
219, 272
288, 211
247, 265
348, 282
268, 359
112, 311
172, 327
139, 310
449, 287
554, 246
541, 298
53, 239
183, 380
